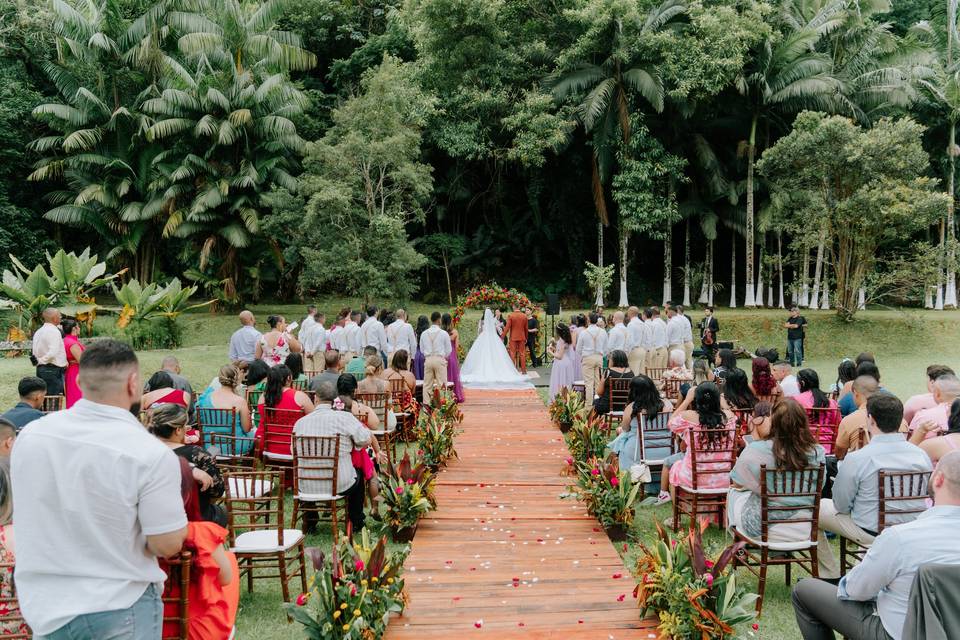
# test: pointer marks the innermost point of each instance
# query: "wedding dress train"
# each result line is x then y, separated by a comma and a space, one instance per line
488, 365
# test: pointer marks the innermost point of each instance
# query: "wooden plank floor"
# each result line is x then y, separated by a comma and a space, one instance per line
504, 548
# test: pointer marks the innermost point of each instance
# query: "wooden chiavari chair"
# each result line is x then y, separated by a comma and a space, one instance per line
53, 403
176, 596
315, 475
712, 453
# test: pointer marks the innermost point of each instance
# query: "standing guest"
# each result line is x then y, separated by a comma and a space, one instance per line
275, 345
931, 421
577, 327
763, 383
937, 447
675, 330
925, 400
687, 337
244, 341
618, 337
162, 391
846, 374
49, 354
736, 391
796, 326
659, 336
324, 421
331, 370
709, 328
533, 333
423, 323
789, 446
400, 369
453, 360
334, 335
636, 340
313, 337
400, 336
783, 374
350, 341
644, 403
618, 369
726, 361
516, 336
226, 396
563, 370
853, 512
97, 502
32, 391
10, 611
71, 344
436, 347
591, 345
373, 334
870, 602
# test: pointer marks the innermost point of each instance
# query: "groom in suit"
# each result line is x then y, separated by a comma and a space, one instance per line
516, 334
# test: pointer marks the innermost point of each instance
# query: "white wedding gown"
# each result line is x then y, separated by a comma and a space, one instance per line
488, 365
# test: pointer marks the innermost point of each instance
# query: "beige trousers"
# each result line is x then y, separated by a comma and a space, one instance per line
315, 362
346, 357
638, 360
434, 375
842, 525
591, 375
657, 358
688, 349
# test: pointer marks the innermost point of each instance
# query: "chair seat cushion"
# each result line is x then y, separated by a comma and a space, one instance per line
248, 488
278, 457
797, 545
265, 541
317, 497
704, 492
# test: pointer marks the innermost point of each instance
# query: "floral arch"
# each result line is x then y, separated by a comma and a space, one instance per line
489, 295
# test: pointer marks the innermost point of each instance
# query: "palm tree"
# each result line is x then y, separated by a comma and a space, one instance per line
786, 75
607, 81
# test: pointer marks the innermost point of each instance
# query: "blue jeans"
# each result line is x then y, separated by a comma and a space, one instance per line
795, 351
143, 620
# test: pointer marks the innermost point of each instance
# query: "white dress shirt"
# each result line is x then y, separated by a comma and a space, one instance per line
790, 386
372, 334
306, 325
887, 571
636, 334
92, 484
675, 330
435, 342
313, 338
350, 338
617, 339
658, 333
48, 346
400, 335
687, 328
592, 341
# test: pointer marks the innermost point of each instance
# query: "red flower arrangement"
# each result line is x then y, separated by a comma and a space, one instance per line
490, 294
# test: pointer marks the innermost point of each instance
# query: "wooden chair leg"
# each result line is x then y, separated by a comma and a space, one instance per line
334, 527
284, 584
843, 556
786, 572
303, 569
296, 513
814, 563
250, 575
762, 581
676, 510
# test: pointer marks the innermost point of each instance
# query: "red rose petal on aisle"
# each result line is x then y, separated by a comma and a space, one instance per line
579, 621
617, 576
520, 624
621, 597
596, 528
478, 624
456, 598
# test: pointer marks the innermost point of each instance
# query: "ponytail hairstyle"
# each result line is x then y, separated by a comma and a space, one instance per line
373, 365
273, 321
706, 402
808, 380
164, 420
763, 381
229, 376
644, 396
277, 380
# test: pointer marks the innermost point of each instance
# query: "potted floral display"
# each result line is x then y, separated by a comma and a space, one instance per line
407, 495
567, 407
610, 495
587, 439
435, 436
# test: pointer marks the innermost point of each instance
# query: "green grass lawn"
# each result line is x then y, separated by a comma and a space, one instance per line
905, 342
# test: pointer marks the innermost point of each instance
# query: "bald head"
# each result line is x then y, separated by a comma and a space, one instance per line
946, 389
945, 481
246, 318
863, 388
51, 315
618, 317
170, 363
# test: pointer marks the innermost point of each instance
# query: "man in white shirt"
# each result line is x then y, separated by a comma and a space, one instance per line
243, 342
637, 341
314, 342
97, 501
617, 338
658, 339
870, 602
49, 352
372, 334
436, 347
349, 346
687, 337
674, 330
400, 337
591, 345
783, 374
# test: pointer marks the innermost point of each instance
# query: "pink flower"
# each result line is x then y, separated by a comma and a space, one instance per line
755, 626
410, 481
595, 471
358, 565
302, 599
570, 461
614, 481
709, 564
708, 578
399, 490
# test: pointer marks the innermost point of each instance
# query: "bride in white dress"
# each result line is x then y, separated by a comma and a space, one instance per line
488, 364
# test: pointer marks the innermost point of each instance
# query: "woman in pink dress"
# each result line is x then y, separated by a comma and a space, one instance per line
71, 344
705, 413
453, 361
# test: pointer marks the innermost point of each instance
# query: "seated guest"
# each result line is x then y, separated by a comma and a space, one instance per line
943, 444
811, 396
357, 366
162, 391
8, 435
225, 396
280, 394
870, 603
644, 403
324, 421
763, 383
736, 391
255, 380
726, 361
701, 373
171, 365
294, 362
865, 367
347, 388
168, 422
846, 374
8, 550
32, 391
758, 426
925, 400
853, 432
946, 389
677, 367
854, 510
373, 381
789, 446
619, 368
783, 374
400, 369
331, 370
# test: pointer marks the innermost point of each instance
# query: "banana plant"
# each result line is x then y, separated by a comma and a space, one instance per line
142, 303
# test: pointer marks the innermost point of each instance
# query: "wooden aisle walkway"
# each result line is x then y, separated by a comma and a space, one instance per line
504, 548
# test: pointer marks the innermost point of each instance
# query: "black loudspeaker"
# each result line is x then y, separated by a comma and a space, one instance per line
553, 304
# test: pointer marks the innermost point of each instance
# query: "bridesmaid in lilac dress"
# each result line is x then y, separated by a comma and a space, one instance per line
562, 371
453, 364
423, 323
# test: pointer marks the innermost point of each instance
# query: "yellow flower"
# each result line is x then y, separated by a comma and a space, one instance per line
363, 582
346, 627
336, 614
356, 612
389, 580
376, 579
343, 606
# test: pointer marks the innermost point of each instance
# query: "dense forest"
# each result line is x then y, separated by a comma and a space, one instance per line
740, 151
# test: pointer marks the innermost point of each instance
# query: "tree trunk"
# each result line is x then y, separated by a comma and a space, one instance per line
804, 279
668, 264
951, 293
825, 284
928, 298
780, 266
818, 269
599, 301
758, 297
733, 272
624, 242
749, 301
686, 266
861, 299
446, 271
710, 272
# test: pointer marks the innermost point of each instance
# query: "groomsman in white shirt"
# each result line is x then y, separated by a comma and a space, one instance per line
636, 341
687, 336
617, 339
436, 347
372, 334
313, 337
350, 346
591, 345
400, 336
674, 330
658, 339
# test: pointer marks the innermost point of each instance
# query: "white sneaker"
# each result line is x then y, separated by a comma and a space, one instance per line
663, 498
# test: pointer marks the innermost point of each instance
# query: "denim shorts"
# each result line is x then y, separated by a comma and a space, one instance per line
143, 620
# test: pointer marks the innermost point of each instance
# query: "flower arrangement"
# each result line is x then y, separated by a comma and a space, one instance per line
490, 295
609, 493
444, 404
587, 438
352, 592
407, 494
435, 435
692, 596
566, 408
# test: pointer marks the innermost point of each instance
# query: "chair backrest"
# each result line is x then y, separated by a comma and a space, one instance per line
233, 453
656, 440
671, 388
902, 496
656, 373
396, 387
743, 420
11, 619
277, 426
379, 402
176, 596
713, 453
790, 497
53, 403
301, 384
772, 400
311, 373
824, 423
212, 421
364, 419
618, 393
253, 398
254, 502
315, 461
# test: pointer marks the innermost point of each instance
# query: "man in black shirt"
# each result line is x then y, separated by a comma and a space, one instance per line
533, 331
796, 328
709, 327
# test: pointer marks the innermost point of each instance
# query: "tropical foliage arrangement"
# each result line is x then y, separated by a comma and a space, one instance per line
567, 408
353, 591
149, 313
692, 596
437, 428
609, 494
587, 438
407, 493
